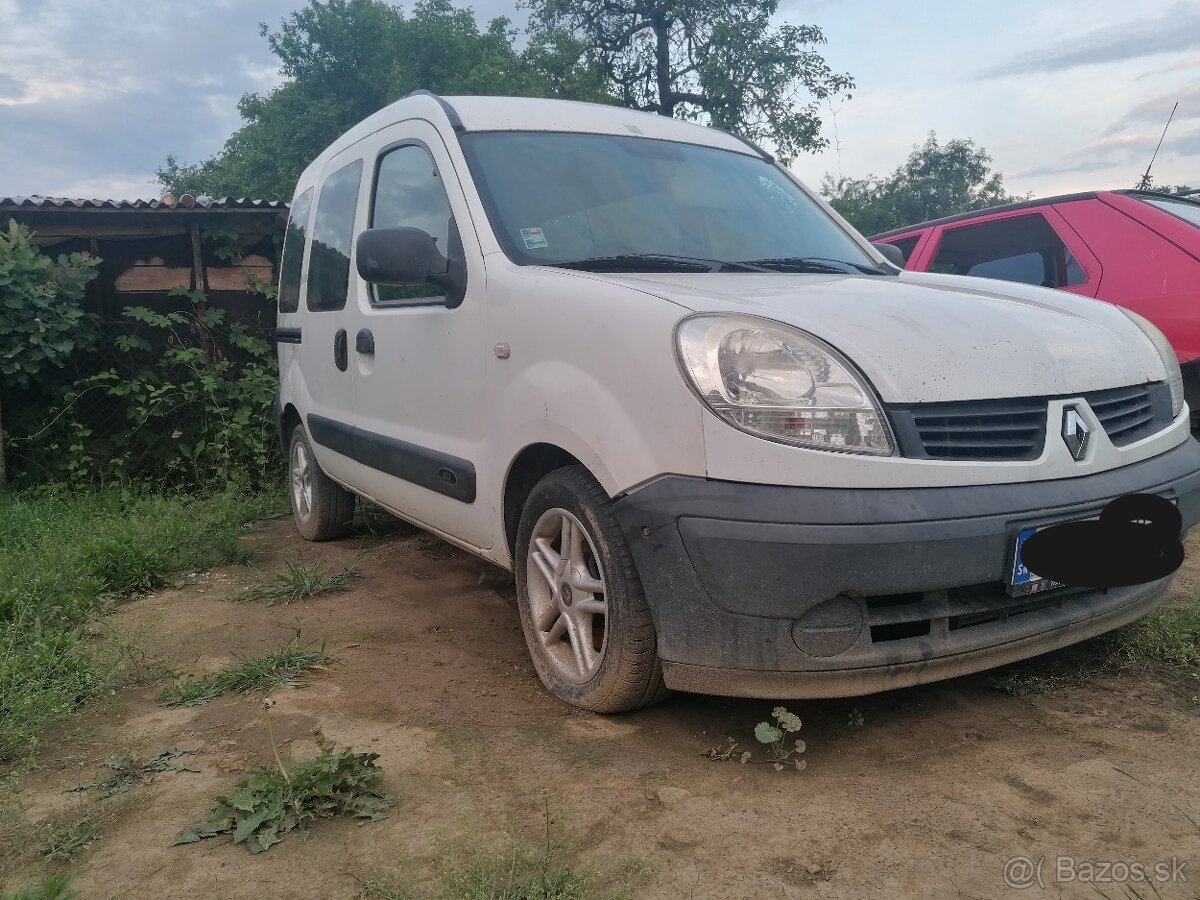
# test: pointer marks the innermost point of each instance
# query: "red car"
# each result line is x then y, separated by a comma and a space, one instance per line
1137, 249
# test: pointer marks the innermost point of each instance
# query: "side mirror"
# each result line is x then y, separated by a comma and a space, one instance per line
891, 253
398, 256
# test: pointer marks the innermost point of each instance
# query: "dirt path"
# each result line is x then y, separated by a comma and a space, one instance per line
927, 798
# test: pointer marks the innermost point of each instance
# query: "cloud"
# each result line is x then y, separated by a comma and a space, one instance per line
1131, 152
1175, 30
11, 88
106, 92
1157, 110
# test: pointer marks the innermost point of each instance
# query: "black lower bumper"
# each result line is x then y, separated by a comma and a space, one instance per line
789, 591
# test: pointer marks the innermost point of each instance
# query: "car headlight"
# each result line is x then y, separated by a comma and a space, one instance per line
1167, 352
781, 383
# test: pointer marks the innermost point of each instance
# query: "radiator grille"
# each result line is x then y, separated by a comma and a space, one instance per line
1005, 430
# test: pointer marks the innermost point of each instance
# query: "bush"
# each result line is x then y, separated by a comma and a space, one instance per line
179, 398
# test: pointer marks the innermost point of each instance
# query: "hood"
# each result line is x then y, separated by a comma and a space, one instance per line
924, 338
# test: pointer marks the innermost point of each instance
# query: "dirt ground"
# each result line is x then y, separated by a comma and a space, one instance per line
928, 797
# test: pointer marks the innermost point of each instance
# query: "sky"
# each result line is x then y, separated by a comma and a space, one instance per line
1065, 95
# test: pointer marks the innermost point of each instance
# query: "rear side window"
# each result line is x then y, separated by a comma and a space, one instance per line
409, 193
1020, 248
333, 233
293, 253
1188, 210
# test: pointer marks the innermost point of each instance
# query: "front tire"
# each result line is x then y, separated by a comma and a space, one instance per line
583, 612
321, 508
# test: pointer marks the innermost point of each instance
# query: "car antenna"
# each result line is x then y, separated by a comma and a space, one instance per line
1147, 183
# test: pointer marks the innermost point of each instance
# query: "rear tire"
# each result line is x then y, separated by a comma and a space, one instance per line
321, 508
583, 611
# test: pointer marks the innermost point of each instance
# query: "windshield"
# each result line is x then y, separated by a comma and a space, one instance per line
556, 198
1188, 210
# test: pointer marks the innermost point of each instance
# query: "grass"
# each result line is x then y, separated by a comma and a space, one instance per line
279, 668
66, 557
1170, 636
298, 582
518, 874
52, 887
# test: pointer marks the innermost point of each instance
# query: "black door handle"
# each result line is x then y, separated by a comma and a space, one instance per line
340, 352
364, 341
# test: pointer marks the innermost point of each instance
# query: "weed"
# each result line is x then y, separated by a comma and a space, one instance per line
268, 803
775, 737
279, 668
65, 841
52, 887
299, 582
128, 771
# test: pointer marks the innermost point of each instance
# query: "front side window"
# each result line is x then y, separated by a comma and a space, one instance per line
409, 193
554, 198
906, 246
333, 234
293, 253
1018, 248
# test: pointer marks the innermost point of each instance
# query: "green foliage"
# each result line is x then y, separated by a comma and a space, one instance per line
129, 771
41, 319
268, 803
52, 887
727, 64
345, 59
279, 668
936, 180
298, 582
65, 557
192, 392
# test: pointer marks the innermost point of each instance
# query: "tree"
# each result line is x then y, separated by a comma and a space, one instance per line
345, 59
936, 180
721, 62
41, 319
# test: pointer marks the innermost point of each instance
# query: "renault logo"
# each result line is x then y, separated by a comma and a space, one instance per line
1075, 432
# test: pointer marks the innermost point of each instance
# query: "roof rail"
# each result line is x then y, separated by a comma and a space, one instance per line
1188, 193
451, 113
749, 143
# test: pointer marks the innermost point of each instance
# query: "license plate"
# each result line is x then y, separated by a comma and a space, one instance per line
1021, 581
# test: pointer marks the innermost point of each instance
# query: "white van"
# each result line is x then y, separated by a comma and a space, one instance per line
724, 444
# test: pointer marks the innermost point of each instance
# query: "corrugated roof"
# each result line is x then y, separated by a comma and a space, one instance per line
75, 203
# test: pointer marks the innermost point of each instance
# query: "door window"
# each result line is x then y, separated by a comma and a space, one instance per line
409, 193
333, 233
1019, 248
293, 253
906, 246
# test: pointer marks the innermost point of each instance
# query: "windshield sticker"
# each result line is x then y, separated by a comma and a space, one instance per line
533, 238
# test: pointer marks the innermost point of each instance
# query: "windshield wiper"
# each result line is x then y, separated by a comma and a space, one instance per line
657, 262
815, 265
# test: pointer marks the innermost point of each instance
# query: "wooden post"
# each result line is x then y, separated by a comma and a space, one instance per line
200, 275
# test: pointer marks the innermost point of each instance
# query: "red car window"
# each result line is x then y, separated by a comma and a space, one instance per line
1022, 248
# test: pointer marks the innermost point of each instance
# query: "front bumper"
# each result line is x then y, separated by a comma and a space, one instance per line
768, 591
